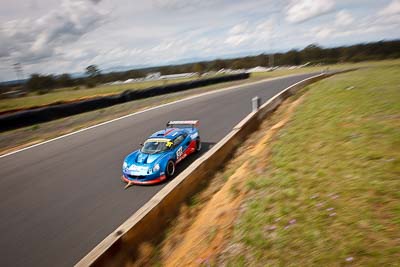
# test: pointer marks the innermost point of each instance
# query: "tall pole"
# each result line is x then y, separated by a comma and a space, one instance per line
18, 71
271, 60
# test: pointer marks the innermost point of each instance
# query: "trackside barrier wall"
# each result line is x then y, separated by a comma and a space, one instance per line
38, 115
149, 222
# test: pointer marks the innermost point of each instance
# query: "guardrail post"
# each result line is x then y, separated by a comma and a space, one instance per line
256, 103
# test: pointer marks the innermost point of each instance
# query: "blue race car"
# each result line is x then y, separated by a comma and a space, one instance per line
156, 160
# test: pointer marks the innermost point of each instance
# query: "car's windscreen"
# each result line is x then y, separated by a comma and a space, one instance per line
153, 146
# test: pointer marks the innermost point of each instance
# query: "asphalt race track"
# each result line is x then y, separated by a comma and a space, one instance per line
60, 199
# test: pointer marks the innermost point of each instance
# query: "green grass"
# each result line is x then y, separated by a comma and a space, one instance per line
70, 94
308, 69
330, 194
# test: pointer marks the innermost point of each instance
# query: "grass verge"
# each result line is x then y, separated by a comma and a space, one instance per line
329, 194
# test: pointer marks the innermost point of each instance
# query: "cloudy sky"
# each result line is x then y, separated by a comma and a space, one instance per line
56, 36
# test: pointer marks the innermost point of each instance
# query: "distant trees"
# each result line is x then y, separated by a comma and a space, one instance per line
293, 57
93, 74
65, 80
218, 64
199, 67
313, 53
238, 64
45, 83
41, 83
92, 71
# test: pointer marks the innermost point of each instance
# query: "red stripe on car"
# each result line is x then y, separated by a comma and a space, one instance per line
155, 181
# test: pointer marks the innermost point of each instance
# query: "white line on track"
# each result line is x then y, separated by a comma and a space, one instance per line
142, 111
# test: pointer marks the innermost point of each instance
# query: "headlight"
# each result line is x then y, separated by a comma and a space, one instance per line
124, 165
156, 168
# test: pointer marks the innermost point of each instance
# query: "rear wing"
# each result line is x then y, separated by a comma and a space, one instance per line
183, 124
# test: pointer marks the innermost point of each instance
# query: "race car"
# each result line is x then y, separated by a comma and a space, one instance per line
156, 160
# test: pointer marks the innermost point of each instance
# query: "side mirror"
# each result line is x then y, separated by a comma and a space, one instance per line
141, 144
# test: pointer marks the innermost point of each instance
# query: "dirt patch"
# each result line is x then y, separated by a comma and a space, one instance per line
206, 235
199, 238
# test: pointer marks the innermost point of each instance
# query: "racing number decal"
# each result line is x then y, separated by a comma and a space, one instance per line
179, 152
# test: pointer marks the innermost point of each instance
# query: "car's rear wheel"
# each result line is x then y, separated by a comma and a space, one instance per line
170, 169
198, 145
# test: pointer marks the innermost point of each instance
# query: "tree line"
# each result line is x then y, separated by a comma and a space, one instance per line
313, 54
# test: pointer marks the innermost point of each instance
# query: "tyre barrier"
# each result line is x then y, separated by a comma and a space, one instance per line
44, 114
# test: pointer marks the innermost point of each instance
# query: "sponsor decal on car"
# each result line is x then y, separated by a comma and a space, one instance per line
179, 152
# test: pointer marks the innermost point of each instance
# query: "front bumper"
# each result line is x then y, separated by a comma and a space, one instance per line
155, 180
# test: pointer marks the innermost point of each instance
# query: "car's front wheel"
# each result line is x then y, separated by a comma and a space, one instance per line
170, 169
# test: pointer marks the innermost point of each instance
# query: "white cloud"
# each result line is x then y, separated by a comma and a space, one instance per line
392, 9
321, 33
56, 38
343, 18
378, 25
302, 10
185, 5
35, 39
239, 28
250, 34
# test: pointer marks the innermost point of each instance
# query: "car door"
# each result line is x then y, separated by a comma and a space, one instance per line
180, 146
